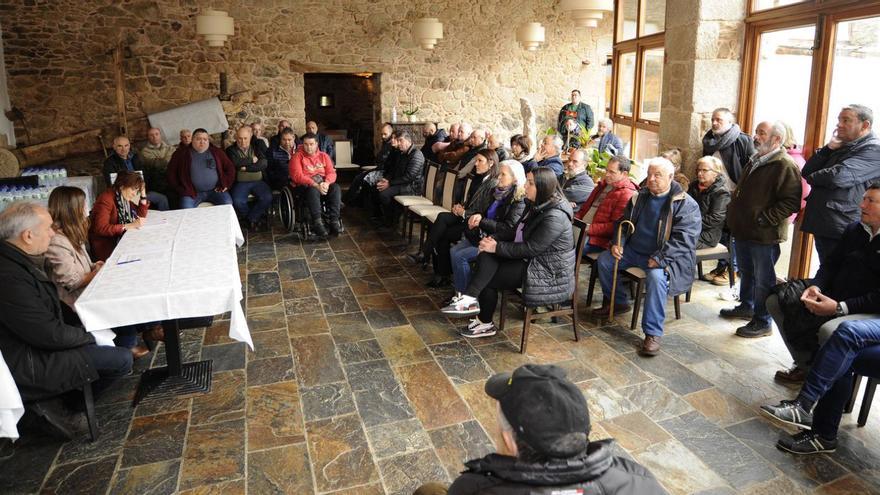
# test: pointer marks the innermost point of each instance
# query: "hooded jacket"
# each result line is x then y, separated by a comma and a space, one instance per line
713, 208
597, 471
548, 245
608, 212
677, 234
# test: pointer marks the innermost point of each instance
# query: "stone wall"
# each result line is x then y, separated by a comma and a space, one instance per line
60, 70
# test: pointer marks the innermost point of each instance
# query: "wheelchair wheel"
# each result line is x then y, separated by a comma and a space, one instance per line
287, 209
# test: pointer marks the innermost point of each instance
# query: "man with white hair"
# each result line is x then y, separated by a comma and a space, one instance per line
460, 145
768, 192
45, 355
548, 155
605, 139
663, 244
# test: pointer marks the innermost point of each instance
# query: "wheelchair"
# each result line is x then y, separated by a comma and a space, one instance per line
294, 215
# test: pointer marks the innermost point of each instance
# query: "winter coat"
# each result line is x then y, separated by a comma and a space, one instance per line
278, 167
851, 273
179, 176
583, 113
480, 196
409, 171
503, 227
609, 212
105, 229
764, 199
677, 234
578, 188
66, 265
597, 471
554, 163
44, 354
734, 157
839, 178
611, 143
548, 245
115, 164
253, 171
713, 208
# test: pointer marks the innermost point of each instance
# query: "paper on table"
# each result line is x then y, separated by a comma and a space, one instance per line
104, 337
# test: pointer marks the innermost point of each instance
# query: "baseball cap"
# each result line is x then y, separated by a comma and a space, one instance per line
545, 409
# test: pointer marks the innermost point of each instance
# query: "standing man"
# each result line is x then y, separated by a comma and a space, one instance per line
123, 159
768, 192
250, 163
201, 172
312, 170
839, 174
577, 110
325, 142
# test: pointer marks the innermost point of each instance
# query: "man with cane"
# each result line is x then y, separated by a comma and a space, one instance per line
659, 231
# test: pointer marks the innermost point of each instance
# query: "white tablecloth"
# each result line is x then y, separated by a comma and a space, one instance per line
11, 408
181, 264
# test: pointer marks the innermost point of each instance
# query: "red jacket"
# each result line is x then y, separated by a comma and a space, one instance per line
610, 210
303, 167
105, 229
179, 174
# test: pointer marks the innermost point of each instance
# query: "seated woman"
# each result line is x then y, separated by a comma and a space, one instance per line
710, 192
519, 148
537, 255
118, 209
502, 214
448, 227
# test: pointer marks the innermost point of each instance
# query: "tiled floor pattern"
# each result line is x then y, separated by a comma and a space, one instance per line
360, 386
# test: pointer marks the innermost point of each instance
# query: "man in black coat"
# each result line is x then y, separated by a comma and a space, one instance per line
45, 355
432, 136
727, 141
545, 425
405, 178
123, 159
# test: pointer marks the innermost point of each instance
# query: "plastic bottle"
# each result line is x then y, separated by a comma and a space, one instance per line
394, 114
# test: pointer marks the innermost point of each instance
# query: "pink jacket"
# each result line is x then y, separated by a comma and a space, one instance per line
797, 154
66, 267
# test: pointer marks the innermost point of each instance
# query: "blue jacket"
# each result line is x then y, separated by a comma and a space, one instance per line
677, 234
610, 143
839, 178
554, 162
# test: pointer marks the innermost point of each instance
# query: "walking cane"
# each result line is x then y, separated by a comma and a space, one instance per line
631, 228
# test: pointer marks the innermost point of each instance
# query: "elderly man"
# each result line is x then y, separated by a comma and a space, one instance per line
185, 138
451, 137
667, 223
201, 172
432, 136
278, 168
605, 140
156, 153
313, 172
405, 178
577, 185
387, 154
846, 287
453, 153
545, 428
250, 163
123, 159
257, 128
282, 124
577, 110
768, 192
838, 174
45, 355
325, 142
548, 155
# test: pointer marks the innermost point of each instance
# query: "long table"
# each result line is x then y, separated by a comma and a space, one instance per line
181, 264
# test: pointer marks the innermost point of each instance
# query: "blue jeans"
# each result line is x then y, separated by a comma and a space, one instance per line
756, 265
590, 249
110, 363
260, 190
461, 255
158, 200
656, 287
218, 198
728, 241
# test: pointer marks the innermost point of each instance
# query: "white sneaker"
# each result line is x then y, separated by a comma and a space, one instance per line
462, 305
477, 329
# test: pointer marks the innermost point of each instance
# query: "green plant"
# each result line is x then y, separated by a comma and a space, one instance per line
409, 109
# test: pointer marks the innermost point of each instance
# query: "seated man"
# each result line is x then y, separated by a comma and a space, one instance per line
847, 286
606, 204
278, 169
154, 157
387, 154
571, 135
123, 159
475, 142
669, 261
250, 163
259, 139
45, 355
853, 347
545, 428
548, 155
451, 156
577, 185
201, 172
325, 142
186, 136
441, 145
282, 124
432, 136
405, 178
496, 144
313, 171
605, 140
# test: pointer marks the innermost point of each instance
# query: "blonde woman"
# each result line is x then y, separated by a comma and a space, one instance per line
711, 193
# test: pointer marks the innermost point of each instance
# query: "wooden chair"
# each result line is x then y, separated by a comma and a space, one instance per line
719, 252
425, 211
580, 236
426, 198
637, 276
868, 398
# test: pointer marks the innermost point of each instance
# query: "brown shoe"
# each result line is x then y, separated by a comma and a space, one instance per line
709, 277
722, 279
794, 375
156, 334
651, 346
139, 351
619, 309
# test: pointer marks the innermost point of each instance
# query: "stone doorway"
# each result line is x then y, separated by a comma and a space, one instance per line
346, 102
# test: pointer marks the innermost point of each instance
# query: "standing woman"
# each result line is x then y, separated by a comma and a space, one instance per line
118, 209
537, 256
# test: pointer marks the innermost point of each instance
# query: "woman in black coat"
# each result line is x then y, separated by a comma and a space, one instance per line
711, 193
537, 255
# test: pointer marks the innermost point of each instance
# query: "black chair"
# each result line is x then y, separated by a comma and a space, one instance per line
866, 400
580, 237
41, 410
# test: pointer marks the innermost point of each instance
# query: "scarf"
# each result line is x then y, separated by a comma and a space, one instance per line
713, 142
124, 210
499, 194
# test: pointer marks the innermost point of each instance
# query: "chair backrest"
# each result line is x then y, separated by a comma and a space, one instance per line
430, 178
343, 152
448, 189
467, 188
579, 228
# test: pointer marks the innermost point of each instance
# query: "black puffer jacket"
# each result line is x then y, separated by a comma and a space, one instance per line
408, 171
506, 217
480, 195
713, 208
44, 354
548, 244
598, 471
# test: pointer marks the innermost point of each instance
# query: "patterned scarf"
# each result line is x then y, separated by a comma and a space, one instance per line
123, 208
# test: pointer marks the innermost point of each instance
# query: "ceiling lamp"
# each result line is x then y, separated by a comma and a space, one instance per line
530, 35
216, 26
587, 13
427, 31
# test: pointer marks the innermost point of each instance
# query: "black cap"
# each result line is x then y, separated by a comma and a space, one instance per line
546, 410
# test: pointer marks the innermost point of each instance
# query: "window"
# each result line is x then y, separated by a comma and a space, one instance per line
771, 4
325, 101
626, 77
627, 19
654, 14
652, 84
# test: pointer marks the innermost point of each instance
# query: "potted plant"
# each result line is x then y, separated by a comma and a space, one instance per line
410, 110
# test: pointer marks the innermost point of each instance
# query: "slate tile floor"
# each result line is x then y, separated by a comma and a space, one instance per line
359, 385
